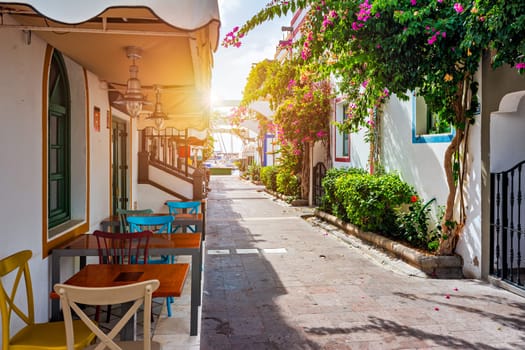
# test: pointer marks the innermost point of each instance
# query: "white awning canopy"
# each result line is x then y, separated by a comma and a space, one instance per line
262, 107
177, 39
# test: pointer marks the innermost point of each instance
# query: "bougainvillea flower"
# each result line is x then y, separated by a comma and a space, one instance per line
520, 65
458, 7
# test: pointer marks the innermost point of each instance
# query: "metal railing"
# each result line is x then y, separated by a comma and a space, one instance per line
506, 232
169, 149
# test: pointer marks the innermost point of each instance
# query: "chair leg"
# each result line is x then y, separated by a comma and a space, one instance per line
97, 313
108, 316
169, 300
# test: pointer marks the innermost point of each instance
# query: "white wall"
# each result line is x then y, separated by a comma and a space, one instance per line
506, 132
153, 198
421, 165
100, 162
21, 155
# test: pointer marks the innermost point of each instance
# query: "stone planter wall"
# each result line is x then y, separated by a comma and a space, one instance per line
434, 266
293, 203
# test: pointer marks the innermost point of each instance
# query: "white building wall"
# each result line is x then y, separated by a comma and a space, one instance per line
21, 155
469, 244
100, 179
419, 164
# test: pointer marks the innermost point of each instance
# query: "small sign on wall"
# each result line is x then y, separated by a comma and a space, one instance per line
96, 119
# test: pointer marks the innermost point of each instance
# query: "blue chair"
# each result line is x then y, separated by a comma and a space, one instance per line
178, 208
156, 224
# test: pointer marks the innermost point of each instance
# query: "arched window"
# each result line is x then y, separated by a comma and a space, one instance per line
59, 112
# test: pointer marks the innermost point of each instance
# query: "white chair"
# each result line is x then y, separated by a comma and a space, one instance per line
140, 293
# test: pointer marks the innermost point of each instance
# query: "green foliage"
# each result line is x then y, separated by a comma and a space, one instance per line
254, 172
381, 203
329, 202
371, 200
288, 184
269, 177
269, 79
376, 48
414, 225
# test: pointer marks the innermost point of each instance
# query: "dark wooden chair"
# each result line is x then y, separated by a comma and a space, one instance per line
121, 248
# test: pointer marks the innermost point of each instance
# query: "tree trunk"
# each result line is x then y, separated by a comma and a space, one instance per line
305, 172
450, 234
454, 217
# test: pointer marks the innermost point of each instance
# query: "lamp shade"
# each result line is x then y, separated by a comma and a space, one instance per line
133, 98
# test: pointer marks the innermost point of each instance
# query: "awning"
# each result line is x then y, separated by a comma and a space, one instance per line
262, 107
177, 38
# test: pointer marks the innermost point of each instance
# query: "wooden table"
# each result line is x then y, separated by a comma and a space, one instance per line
170, 276
159, 244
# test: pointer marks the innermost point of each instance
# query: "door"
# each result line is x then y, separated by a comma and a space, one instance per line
119, 165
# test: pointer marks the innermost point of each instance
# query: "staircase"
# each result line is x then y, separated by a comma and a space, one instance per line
163, 163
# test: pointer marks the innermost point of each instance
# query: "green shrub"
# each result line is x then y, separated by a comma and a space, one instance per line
254, 172
370, 201
414, 225
329, 202
287, 184
269, 177
381, 203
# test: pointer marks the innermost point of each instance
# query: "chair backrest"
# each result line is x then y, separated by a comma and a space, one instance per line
17, 262
154, 223
73, 298
123, 215
191, 207
122, 248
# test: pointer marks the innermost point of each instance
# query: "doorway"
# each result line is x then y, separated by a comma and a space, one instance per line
119, 165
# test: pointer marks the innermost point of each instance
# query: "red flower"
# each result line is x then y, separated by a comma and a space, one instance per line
413, 199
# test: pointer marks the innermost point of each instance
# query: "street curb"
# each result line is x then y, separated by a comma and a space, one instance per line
434, 266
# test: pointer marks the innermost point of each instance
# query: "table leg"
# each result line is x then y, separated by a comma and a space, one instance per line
196, 275
55, 278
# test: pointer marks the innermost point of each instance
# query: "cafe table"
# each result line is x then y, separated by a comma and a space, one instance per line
170, 276
160, 244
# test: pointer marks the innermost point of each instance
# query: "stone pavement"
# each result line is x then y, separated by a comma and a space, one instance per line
272, 280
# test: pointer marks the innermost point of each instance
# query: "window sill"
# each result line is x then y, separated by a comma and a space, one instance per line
63, 228
432, 138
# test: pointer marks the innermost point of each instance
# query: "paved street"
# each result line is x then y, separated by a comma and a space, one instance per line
274, 281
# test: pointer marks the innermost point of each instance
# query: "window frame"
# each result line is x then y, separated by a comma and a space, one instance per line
79, 222
427, 138
342, 139
62, 146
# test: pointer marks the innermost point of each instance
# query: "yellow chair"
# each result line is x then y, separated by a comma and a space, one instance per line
33, 336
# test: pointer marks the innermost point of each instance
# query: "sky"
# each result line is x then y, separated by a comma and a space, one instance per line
232, 65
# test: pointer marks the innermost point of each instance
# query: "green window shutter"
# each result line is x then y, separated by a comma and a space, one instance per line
58, 144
